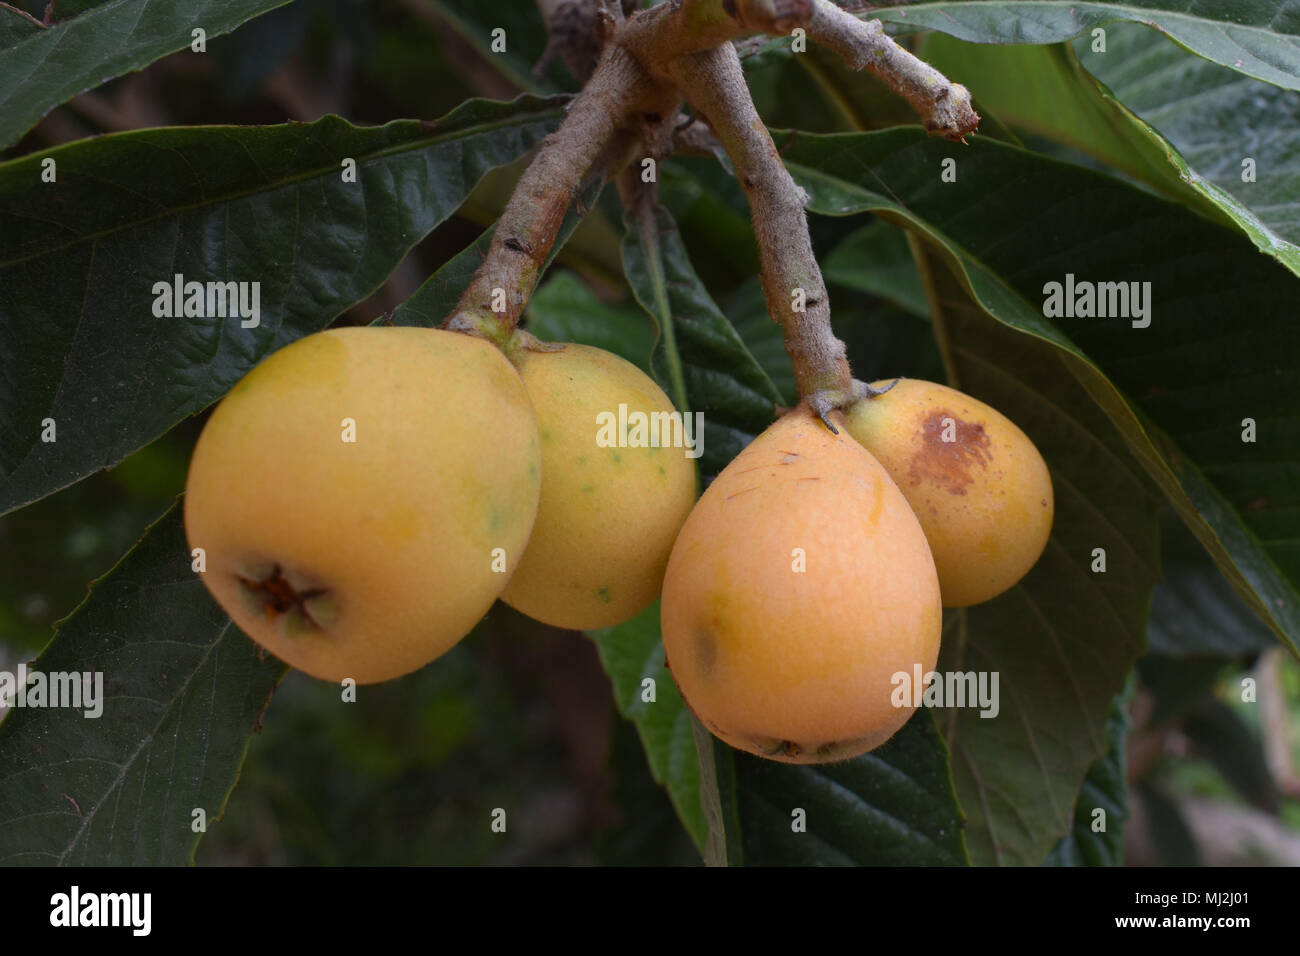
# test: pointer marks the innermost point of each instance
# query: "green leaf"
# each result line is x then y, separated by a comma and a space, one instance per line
14, 26
884, 342
816, 92
1044, 90
1147, 107
1208, 120
1194, 610
893, 806
712, 216
1179, 389
566, 310
747, 311
1255, 38
79, 341
717, 799
46, 67
876, 259
699, 357
1065, 638
183, 689
1104, 788
632, 654
438, 295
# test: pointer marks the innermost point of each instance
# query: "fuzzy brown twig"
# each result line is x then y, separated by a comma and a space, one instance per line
680, 27
646, 63
659, 35
577, 30
23, 13
714, 84
618, 89
945, 107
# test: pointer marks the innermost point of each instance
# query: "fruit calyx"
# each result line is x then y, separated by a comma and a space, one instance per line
489, 326
278, 597
823, 401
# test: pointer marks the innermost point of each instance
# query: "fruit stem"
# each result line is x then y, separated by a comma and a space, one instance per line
646, 62
661, 34
714, 83
495, 298
945, 107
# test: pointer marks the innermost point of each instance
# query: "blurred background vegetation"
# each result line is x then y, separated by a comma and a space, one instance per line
520, 715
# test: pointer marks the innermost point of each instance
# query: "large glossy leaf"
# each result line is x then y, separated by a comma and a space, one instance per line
891, 807
1064, 639
1105, 788
645, 694
817, 92
1194, 611
79, 341
1045, 91
747, 311
566, 310
438, 295
1222, 344
712, 216
183, 689
1260, 38
699, 357
14, 26
1214, 119
876, 259
1180, 123
44, 67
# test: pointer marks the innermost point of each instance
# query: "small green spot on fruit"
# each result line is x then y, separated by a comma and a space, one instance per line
663, 474
602, 592
587, 489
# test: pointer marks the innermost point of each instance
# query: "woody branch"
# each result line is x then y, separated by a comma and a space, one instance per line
647, 62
